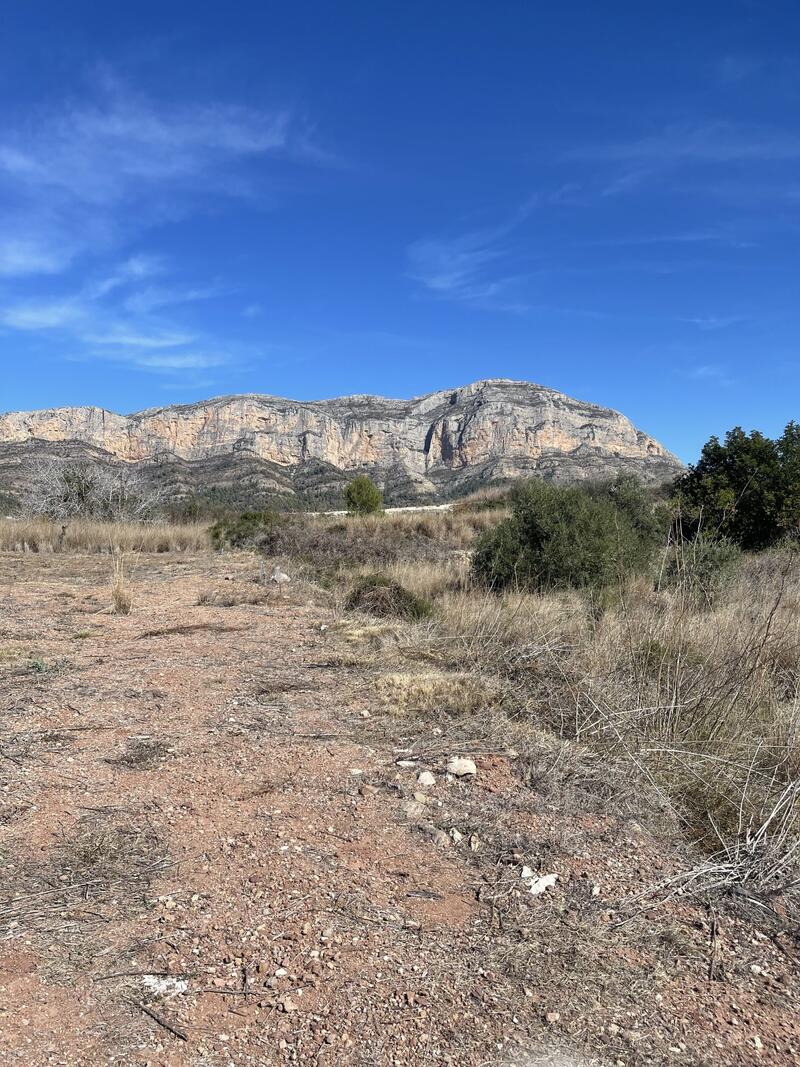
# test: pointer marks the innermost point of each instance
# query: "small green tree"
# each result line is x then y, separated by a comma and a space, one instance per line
362, 496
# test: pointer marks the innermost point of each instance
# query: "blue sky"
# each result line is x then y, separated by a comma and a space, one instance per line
314, 199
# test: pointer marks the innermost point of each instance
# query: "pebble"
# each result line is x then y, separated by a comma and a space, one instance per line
426, 779
461, 767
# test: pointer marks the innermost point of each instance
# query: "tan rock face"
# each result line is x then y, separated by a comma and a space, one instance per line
427, 437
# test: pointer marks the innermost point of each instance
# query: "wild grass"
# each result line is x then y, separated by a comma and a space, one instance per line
683, 708
435, 692
336, 542
84, 535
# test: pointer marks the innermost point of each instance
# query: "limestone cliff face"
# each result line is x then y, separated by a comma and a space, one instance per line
497, 427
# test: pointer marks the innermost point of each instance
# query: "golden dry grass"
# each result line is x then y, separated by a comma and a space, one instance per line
84, 535
430, 692
696, 705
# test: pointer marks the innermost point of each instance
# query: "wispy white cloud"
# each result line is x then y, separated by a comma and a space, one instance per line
92, 174
183, 361
714, 322
473, 267
124, 337
153, 298
121, 145
710, 372
41, 314
104, 321
22, 256
699, 142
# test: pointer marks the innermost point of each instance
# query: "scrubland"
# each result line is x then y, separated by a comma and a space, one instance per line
679, 703
638, 741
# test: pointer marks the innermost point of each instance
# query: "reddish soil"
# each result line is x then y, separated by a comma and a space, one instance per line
206, 860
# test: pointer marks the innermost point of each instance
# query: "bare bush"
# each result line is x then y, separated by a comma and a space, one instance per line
63, 491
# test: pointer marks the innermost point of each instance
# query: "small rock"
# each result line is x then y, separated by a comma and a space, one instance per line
461, 767
288, 1004
364, 714
440, 838
412, 809
541, 885
553, 1016
456, 836
406, 763
474, 842
426, 779
421, 798
368, 790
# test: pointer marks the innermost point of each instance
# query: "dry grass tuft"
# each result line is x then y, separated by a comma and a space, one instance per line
435, 693
229, 596
121, 592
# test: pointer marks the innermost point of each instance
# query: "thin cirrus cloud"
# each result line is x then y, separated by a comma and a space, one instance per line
120, 146
96, 318
93, 173
22, 256
475, 267
705, 142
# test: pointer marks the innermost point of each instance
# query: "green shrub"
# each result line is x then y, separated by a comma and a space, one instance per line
362, 496
249, 530
569, 537
378, 595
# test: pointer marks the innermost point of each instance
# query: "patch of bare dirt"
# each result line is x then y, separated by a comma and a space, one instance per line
211, 855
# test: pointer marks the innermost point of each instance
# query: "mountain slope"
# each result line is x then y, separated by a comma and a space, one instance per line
428, 447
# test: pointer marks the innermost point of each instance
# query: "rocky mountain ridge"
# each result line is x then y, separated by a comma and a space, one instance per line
428, 447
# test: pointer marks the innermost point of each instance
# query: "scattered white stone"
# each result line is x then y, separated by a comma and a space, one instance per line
537, 886
426, 779
460, 767
456, 836
163, 985
364, 714
355, 771
406, 763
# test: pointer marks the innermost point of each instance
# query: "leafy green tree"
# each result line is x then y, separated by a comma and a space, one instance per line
362, 496
560, 537
789, 455
738, 488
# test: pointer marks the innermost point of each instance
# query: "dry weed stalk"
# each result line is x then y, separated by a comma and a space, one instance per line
121, 592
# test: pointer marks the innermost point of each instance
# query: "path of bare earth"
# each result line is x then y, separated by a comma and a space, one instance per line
208, 857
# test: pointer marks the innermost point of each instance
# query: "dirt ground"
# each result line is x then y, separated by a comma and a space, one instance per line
215, 850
